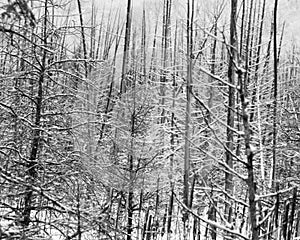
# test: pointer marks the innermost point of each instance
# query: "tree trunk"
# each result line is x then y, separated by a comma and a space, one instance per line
165, 54
291, 218
126, 48
31, 168
231, 102
189, 46
274, 144
285, 220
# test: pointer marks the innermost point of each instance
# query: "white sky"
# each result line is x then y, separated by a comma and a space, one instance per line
288, 10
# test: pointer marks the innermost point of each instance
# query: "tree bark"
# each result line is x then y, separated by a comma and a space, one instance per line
190, 4
126, 48
291, 218
31, 170
274, 143
250, 159
231, 102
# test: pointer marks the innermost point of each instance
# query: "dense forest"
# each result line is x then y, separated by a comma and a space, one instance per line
149, 120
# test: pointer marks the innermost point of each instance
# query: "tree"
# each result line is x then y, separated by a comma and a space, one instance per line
231, 101
103, 142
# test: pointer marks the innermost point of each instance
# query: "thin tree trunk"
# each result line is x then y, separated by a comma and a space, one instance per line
145, 224
280, 41
130, 207
117, 216
143, 46
78, 210
163, 227
85, 54
172, 142
274, 224
165, 54
248, 47
285, 220
148, 231
170, 212
191, 197
231, 102
87, 87
291, 218
130, 157
31, 167
153, 55
99, 37
93, 33
126, 48
256, 97
156, 211
140, 213
187, 116
111, 78
297, 225
212, 215
250, 155
243, 84
274, 143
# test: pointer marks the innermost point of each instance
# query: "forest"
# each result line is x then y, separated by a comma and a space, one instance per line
149, 120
